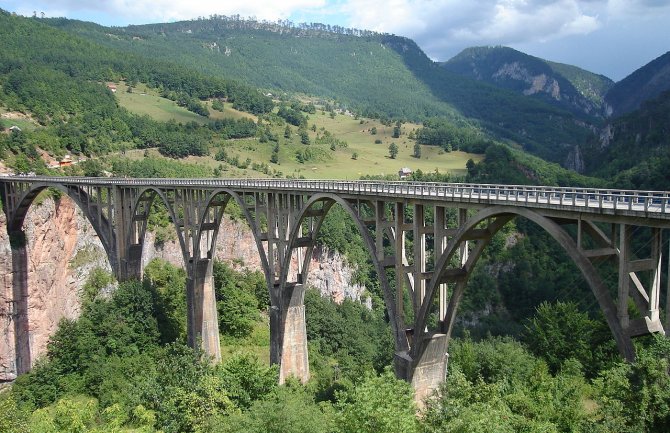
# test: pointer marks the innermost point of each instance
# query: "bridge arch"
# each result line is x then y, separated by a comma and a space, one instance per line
506, 213
328, 200
214, 205
141, 206
102, 226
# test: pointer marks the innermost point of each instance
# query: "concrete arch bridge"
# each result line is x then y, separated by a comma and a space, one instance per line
449, 226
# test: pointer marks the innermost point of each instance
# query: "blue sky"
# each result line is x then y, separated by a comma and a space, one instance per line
610, 37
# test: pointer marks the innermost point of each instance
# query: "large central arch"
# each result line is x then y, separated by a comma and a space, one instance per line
412, 363
582, 262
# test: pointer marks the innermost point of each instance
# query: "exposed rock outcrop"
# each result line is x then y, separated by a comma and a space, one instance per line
328, 271
606, 136
575, 161
62, 249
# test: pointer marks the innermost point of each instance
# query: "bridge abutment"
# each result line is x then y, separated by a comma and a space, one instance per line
428, 369
202, 324
131, 264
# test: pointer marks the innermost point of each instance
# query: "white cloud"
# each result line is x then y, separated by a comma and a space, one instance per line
440, 24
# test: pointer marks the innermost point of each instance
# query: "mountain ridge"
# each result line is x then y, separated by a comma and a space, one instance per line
565, 86
645, 83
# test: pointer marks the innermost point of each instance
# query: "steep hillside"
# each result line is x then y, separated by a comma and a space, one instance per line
60, 82
645, 83
591, 86
358, 71
634, 149
561, 85
374, 74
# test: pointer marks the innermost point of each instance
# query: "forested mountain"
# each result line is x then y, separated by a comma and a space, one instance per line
58, 80
561, 85
373, 74
56, 69
647, 131
646, 83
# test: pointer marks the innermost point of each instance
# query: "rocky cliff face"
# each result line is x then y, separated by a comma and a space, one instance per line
328, 271
574, 160
63, 248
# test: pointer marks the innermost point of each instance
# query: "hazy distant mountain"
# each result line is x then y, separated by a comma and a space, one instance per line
561, 85
634, 149
646, 83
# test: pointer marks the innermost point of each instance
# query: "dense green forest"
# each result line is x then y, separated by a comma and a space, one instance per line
123, 366
645, 83
648, 130
59, 80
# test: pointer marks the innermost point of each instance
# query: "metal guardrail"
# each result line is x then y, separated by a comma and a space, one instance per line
656, 203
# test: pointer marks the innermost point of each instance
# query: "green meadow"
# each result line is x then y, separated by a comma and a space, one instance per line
365, 153
362, 156
144, 100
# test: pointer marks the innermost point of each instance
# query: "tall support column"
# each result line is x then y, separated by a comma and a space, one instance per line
667, 295
655, 290
426, 368
19, 306
129, 255
419, 253
380, 219
203, 324
464, 250
624, 278
440, 237
288, 332
399, 254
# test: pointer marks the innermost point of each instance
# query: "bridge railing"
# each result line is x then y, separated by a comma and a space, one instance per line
657, 202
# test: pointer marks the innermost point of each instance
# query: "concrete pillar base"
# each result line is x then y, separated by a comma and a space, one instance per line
131, 266
203, 323
294, 357
428, 370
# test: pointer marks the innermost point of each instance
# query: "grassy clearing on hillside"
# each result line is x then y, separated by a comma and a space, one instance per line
228, 113
144, 100
372, 159
8, 119
25, 125
323, 163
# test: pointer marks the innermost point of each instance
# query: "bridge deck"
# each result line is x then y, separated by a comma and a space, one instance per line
653, 206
